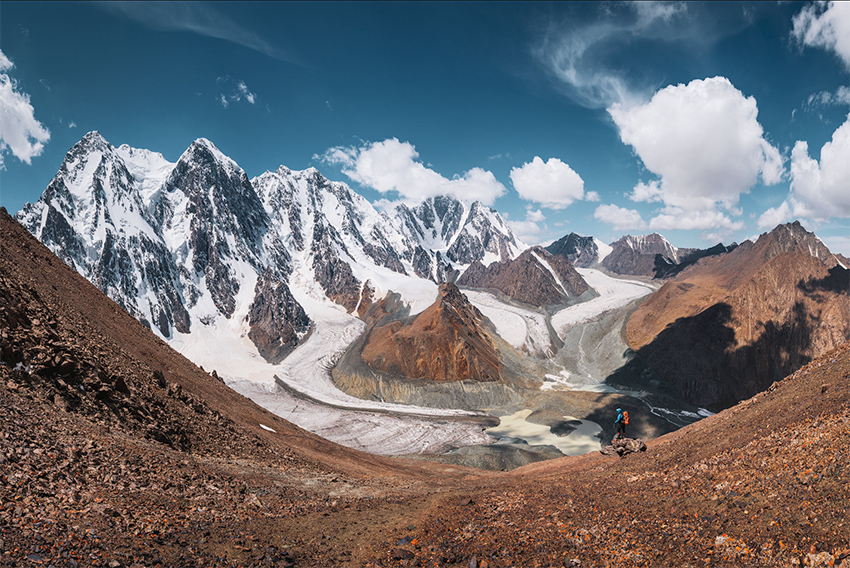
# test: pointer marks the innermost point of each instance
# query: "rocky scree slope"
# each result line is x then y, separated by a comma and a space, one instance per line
194, 242
760, 484
536, 277
446, 342
745, 319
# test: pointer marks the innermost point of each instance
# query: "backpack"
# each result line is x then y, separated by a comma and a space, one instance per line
626, 417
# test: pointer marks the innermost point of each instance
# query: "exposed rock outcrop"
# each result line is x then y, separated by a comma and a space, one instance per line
623, 447
276, 319
446, 342
536, 277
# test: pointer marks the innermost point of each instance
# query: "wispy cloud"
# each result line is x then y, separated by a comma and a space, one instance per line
576, 54
196, 17
584, 52
238, 93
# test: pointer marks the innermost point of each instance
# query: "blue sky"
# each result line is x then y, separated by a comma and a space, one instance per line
704, 122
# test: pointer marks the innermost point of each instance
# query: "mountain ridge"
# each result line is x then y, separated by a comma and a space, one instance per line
185, 244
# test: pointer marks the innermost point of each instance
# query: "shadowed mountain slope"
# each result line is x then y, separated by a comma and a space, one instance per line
730, 325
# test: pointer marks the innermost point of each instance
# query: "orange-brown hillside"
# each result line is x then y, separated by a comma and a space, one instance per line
730, 325
446, 342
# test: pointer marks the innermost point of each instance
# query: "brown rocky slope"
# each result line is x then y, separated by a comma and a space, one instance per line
536, 277
446, 342
728, 326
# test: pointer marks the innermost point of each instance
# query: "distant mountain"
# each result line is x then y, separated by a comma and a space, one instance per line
444, 232
196, 242
746, 318
581, 251
446, 342
635, 255
535, 277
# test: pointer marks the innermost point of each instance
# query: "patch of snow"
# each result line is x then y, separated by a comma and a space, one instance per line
613, 293
264, 427
604, 250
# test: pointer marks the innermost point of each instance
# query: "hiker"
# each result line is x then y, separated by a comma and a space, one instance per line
620, 423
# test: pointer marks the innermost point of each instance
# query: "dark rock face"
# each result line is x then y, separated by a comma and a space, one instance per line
332, 273
221, 204
536, 277
666, 268
446, 342
276, 319
580, 251
636, 255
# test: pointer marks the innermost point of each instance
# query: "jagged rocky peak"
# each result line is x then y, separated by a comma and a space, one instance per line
536, 277
443, 231
446, 342
579, 250
793, 237
635, 255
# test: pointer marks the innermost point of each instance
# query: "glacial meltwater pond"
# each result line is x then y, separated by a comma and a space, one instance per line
582, 440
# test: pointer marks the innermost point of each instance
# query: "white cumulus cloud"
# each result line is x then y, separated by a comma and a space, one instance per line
826, 25
704, 141
678, 218
392, 165
20, 132
821, 189
775, 216
528, 231
620, 218
552, 184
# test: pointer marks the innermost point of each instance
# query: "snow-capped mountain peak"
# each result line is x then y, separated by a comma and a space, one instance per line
196, 242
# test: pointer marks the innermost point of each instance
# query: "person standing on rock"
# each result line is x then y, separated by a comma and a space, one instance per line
620, 423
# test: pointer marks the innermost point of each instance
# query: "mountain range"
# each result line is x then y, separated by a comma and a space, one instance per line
184, 244
197, 244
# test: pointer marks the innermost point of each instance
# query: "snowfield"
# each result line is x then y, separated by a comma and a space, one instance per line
523, 329
613, 293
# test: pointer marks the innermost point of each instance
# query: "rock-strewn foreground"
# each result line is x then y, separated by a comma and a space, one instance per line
85, 480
